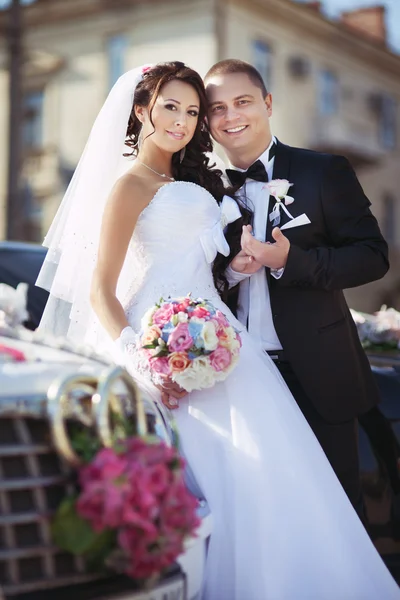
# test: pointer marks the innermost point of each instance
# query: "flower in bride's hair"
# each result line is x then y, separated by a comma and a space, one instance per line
178, 361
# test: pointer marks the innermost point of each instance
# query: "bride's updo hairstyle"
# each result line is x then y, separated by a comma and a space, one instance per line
195, 166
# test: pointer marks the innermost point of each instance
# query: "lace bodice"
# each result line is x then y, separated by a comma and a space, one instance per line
174, 243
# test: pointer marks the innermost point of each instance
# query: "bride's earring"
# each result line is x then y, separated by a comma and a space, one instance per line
139, 142
182, 154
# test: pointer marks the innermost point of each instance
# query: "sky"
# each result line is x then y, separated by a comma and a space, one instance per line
333, 8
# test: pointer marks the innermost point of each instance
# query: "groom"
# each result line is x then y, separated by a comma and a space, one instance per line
291, 278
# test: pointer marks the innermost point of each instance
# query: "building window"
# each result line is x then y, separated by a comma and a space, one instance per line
116, 51
388, 122
389, 218
32, 127
328, 92
261, 60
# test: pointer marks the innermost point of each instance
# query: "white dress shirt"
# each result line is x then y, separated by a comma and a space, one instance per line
254, 306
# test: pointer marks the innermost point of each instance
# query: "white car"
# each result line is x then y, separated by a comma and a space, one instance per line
44, 387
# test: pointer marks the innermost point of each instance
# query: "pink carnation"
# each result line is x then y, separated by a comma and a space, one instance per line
200, 312
163, 314
180, 339
220, 359
182, 306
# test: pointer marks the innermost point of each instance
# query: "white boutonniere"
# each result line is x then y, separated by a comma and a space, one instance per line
278, 188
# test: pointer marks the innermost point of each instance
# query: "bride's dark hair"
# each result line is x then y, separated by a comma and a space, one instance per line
195, 166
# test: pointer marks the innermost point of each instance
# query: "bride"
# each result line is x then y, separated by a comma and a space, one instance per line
129, 232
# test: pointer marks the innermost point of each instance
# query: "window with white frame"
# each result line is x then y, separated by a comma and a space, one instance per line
32, 125
388, 122
116, 51
262, 60
328, 92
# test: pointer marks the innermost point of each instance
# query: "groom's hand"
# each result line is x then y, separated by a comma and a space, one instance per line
243, 263
274, 255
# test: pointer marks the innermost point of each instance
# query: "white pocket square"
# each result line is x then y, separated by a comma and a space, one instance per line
296, 222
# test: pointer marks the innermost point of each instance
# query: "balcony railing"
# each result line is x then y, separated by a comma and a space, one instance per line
355, 139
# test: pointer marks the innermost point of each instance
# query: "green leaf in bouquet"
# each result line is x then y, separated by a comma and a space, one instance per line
84, 442
151, 346
197, 351
75, 535
102, 546
71, 532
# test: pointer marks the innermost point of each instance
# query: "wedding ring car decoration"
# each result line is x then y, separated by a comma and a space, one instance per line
92, 402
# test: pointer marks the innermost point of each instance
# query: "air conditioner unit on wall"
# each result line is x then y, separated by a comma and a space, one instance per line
299, 66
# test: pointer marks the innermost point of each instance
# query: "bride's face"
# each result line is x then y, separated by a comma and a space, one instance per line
174, 115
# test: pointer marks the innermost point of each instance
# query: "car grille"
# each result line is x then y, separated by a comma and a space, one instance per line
34, 478
33, 481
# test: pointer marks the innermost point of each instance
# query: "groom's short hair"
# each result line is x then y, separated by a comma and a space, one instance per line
231, 66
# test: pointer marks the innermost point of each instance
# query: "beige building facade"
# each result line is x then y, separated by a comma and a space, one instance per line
333, 90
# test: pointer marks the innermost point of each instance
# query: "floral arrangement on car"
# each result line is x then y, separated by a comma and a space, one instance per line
380, 331
132, 513
188, 340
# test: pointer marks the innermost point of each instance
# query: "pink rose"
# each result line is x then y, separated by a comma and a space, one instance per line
180, 339
220, 359
200, 312
221, 319
150, 335
163, 314
182, 306
160, 365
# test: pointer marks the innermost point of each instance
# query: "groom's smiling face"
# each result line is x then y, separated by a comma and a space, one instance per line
238, 115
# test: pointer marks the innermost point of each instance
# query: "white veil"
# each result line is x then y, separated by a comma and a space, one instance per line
73, 237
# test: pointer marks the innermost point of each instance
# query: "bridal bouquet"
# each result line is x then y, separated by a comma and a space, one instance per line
190, 341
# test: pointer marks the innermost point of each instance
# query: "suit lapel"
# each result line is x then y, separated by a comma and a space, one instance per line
281, 170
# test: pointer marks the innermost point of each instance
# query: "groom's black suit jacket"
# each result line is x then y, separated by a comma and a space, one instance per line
342, 247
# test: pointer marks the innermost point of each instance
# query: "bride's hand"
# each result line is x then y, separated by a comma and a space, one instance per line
171, 392
245, 263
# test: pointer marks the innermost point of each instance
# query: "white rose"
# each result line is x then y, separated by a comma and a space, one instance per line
147, 318
182, 317
197, 376
279, 187
209, 336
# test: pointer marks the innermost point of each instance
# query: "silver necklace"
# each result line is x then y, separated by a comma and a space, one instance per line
156, 172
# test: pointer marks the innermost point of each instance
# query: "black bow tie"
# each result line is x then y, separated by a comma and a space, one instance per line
256, 171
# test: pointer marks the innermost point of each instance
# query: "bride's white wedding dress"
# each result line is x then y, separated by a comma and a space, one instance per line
283, 527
